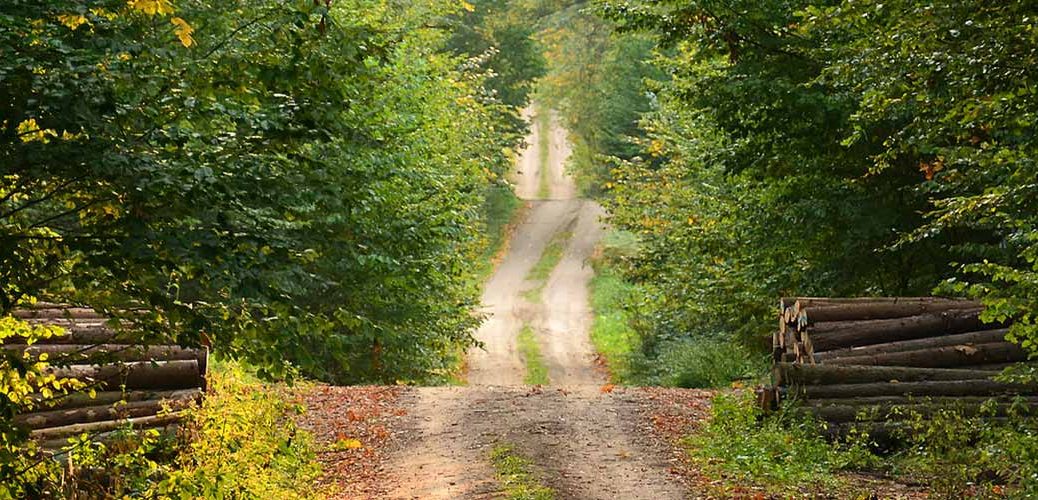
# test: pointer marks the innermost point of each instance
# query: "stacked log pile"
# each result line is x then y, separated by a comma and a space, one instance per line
132, 384
884, 359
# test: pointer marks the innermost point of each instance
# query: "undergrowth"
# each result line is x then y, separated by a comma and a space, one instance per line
517, 476
955, 456
690, 361
240, 442
781, 452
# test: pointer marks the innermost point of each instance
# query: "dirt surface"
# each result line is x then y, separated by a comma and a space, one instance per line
562, 319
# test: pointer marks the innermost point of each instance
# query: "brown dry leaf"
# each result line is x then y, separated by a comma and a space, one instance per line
608, 388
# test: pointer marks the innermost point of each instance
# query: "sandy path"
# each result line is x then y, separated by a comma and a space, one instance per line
586, 444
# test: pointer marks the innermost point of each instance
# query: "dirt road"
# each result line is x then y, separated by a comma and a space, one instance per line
585, 443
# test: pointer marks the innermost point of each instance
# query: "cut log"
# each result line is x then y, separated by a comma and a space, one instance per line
177, 400
881, 310
828, 336
95, 354
886, 434
56, 444
81, 399
852, 413
909, 400
919, 389
85, 334
101, 353
109, 425
942, 357
137, 375
981, 337
56, 313
797, 374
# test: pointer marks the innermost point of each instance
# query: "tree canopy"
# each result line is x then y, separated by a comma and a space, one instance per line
295, 183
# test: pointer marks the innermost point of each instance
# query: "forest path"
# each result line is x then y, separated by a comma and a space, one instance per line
584, 442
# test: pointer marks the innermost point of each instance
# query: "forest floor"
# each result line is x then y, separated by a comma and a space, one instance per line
581, 437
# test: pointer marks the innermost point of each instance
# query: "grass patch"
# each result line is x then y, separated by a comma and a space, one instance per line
705, 363
536, 371
543, 123
611, 332
550, 258
782, 454
516, 475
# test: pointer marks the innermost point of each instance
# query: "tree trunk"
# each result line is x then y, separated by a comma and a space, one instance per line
56, 418
103, 353
982, 337
137, 375
852, 412
798, 374
911, 400
879, 310
81, 399
942, 357
57, 313
828, 336
919, 389
109, 425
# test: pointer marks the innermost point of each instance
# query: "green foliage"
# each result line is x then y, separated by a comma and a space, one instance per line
530, 350
970, 456
611, 332
302, 183
806, 149
516, 475
783, 452
241, 442
620, 326
26, 383
705, 362
594, 79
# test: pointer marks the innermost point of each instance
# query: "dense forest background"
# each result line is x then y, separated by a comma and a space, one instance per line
755, 150
303, 185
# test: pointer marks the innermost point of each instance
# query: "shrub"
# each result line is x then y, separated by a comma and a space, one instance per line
786, 449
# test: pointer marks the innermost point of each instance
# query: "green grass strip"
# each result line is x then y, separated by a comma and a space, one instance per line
536, 371
550, 258
544, 153
611, 331
516, 475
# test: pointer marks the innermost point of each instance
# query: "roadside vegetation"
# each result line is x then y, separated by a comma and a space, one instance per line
240, 442
944, 455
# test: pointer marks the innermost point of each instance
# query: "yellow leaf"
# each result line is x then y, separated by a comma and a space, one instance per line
467, 6
72, 21
30, 131
183, 31
152, 7
348, 444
